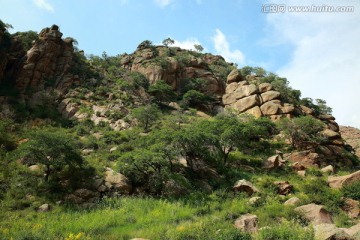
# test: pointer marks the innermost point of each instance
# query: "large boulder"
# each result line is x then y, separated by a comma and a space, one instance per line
293, 201
283, 187
314, 213
354, 231
264, 87
340, 181
274, 162
327, 231
269, 95
247, 223
234, 76
305, 158
246, 103
270, 108
245, 186
117, 182
351, 207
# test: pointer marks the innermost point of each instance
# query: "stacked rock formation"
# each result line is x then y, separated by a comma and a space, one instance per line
258, 100
245, 95
48, 62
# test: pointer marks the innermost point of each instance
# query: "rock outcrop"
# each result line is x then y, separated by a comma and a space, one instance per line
175, 66
314, 213
47, 63
340, 181
351, 136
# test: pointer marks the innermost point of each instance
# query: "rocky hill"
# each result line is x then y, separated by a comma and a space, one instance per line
243, 151
352, 136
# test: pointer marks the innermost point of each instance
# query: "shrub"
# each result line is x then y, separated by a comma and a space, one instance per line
352, 191
302, 132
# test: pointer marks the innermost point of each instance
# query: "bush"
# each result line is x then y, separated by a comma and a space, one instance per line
302, 132
352, 191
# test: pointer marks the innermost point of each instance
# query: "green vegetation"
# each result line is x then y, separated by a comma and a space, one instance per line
302, 132
181, 166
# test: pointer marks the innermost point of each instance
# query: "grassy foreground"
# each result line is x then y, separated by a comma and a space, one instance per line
197, 217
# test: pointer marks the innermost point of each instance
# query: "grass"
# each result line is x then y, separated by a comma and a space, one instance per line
123, 218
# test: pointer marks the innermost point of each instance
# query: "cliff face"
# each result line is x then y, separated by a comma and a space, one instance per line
46, 64
175, 66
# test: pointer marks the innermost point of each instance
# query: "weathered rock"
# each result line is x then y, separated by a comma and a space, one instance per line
246, 103
269, 95
255, 111
327, 231
292, 201
254, 200
305, 158
234, 76
286, 108
330, 134
44, 208
317, 214
117, 182
264, 87
283, 187
306, 110
340, 181
274, 162
245, 186
247, 223
269, 108
49, 59
326, 117
328, 169
351, 207
354, 231
352, 137
230, 88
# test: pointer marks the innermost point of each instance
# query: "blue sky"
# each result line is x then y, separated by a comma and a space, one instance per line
318, 52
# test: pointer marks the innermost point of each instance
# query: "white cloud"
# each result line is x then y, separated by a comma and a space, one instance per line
187, 44
325, 62
43, 4
222, 47
163, 3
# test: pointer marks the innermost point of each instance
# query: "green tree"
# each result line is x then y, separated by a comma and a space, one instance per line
168, 41
146, 115
302, 132
53, 149
195, 98
198, 47
145, 44
26, 38
323, 108
162, 92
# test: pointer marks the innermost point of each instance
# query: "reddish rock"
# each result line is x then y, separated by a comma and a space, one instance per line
351, 207
314, 213
340, 181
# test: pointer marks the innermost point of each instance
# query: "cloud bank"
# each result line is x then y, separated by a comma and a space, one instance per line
325, 62
222, 48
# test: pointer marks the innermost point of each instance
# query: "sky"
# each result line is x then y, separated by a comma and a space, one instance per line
317, 51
